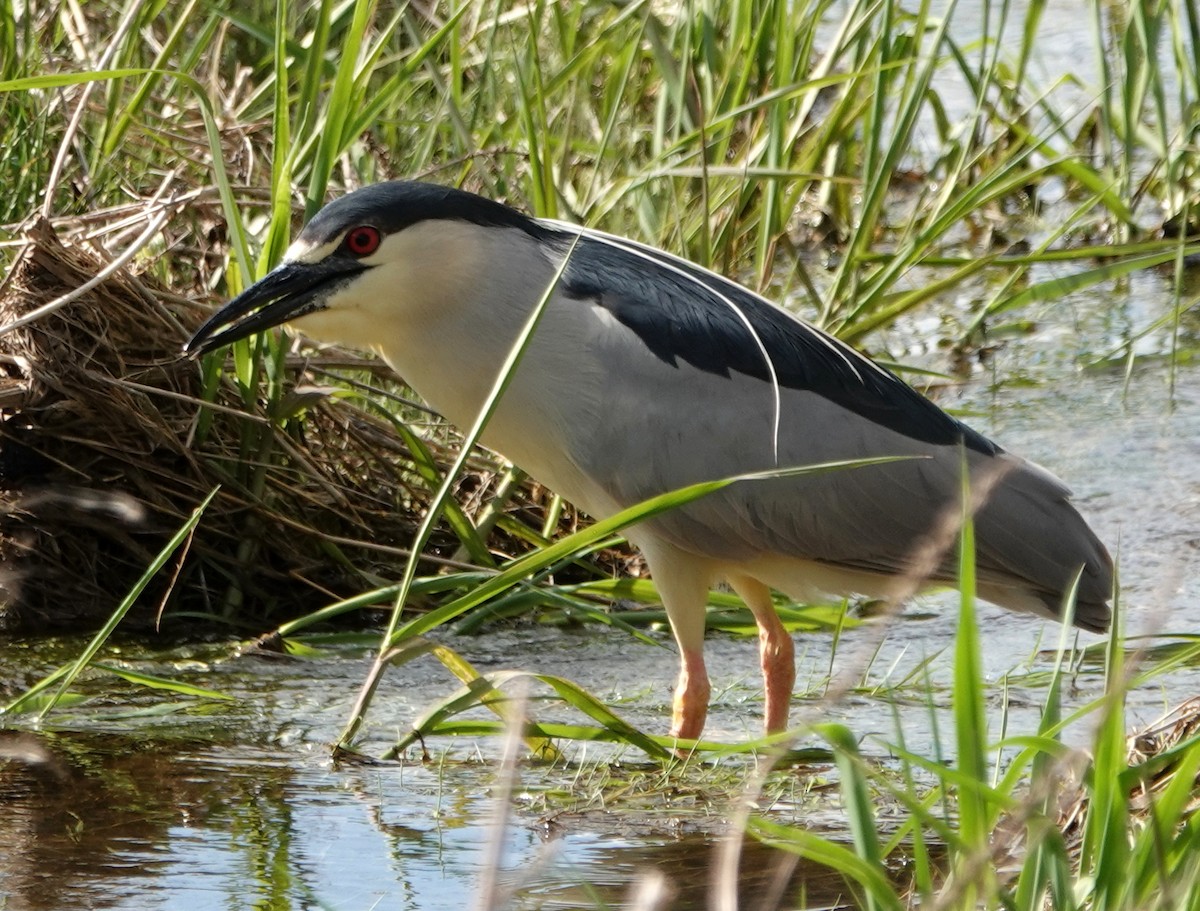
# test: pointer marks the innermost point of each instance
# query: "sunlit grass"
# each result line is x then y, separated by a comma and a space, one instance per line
1024, 821
775, 141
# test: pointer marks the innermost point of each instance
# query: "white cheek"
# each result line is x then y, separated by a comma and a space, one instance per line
331, 327
303, 251
359, 316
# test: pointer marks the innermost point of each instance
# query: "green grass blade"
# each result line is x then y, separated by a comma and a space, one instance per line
872, 879
392, 634
154, 682
856, 799
970, 715
485, 689
1104, 854
65, 676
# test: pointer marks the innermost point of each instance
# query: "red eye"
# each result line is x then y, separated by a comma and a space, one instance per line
363, 240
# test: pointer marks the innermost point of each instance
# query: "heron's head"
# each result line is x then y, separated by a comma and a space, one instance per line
363, 259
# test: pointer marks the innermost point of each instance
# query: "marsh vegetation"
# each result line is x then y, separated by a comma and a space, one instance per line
995, 198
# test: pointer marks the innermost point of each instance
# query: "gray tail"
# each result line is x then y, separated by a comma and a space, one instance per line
1029, 533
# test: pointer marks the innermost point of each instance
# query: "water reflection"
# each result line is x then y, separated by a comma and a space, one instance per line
768, 879
84, 813
106, 822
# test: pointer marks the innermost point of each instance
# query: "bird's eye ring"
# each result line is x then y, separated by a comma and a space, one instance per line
363, 240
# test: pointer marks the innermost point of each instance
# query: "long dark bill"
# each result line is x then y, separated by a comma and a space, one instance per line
287, 292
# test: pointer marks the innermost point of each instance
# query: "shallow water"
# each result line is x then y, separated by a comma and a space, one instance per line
177, 825
240, 804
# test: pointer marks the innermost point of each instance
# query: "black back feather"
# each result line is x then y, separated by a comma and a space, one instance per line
687, 313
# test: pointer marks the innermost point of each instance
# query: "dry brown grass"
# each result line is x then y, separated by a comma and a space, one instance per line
99, 462
1153, 748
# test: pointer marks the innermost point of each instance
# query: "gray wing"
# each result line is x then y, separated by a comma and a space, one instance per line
693, 400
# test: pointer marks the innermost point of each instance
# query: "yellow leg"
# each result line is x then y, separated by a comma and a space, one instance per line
691, 696
775, 649
682, 580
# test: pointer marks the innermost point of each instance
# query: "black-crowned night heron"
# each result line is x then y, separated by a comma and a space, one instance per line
648, 373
